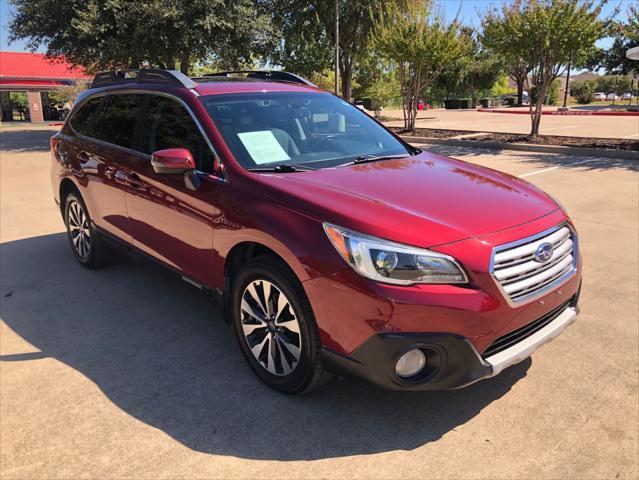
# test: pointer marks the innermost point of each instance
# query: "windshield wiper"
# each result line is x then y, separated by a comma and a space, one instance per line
372, 158
286, 168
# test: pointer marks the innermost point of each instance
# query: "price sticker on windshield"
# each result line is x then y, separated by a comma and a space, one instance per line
263, 147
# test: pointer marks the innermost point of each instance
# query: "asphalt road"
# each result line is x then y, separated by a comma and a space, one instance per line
126, 373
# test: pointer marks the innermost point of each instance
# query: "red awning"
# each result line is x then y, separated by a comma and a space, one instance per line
6, 83
37, 65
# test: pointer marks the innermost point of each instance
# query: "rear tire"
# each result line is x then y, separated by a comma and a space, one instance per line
87, 246
275, 327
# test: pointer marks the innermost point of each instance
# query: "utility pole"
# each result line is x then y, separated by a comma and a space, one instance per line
336, 47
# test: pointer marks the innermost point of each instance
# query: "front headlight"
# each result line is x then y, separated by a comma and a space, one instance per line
390, 262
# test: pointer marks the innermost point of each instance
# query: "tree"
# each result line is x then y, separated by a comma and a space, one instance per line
128, 34
64, 95
501, 87
547, 35
307, 30
479, 69
584, 91
494, 38
626, 36
421, 44
381, 91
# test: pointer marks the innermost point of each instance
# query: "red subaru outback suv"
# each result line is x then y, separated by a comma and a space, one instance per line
332, 244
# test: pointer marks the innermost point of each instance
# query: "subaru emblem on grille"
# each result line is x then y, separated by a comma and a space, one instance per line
544, 252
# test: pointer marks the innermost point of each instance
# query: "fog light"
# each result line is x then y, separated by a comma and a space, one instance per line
411, 363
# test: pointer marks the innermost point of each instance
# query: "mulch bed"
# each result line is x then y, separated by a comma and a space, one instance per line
608, 143
431, 132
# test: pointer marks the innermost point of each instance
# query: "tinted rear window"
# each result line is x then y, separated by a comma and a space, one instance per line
117, 123
86, 118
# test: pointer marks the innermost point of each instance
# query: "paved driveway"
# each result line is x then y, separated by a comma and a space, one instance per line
571, 125
124, 373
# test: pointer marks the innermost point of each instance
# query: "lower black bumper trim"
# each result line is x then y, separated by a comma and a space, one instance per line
452, 361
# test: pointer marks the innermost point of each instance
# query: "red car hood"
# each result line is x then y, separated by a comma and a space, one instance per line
424, 200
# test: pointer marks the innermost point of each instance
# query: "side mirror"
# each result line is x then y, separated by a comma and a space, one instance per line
172, 160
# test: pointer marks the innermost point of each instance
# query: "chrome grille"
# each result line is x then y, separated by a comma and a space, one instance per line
521, 276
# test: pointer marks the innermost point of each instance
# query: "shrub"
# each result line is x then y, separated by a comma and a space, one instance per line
584, 92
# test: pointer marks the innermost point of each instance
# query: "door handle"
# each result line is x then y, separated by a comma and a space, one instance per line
132, 180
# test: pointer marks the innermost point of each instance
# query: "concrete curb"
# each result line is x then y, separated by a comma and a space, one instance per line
569, 112
526, 147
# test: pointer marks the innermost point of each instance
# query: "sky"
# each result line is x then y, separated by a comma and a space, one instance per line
468, 13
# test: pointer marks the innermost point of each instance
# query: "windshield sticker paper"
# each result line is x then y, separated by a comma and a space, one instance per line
263, 147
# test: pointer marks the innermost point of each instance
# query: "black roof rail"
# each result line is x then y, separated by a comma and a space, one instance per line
268, 75
142, 75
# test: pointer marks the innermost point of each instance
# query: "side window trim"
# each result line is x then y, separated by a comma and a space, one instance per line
144, 111
138, 131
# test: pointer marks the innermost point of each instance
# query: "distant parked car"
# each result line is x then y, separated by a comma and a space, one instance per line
626, 96
600, 96
612, 96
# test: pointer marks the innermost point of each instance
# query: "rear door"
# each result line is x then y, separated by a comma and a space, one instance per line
168, 220
95, 163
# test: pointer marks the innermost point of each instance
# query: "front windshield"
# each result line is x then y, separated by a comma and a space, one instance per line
309, 129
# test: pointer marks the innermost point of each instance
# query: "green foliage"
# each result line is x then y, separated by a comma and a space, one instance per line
325, 80
127, 34
19, 100
614, 83
473, 73
307, 35
584, 92
422, 45
501, 87
553, 92
546, 35
626, 36
64, 95
382, 92
496, 26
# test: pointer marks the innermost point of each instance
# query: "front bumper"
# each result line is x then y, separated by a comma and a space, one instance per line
453, 362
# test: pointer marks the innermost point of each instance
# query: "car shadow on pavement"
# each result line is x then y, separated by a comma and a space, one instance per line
26, 140
161, 352
539, 160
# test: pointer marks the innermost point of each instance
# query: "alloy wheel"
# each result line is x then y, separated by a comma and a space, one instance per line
271, 328
79, 229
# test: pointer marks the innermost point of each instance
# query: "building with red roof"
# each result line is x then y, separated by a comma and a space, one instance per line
26, 79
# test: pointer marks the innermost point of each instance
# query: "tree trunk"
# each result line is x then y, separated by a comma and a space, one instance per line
520, 91
347, 82
567, 83
536, 116
413, 97
185, 64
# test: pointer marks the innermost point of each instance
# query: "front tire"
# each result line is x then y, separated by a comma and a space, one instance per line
275, 327
89, 249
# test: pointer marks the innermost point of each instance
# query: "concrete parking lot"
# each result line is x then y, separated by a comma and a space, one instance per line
570, 125
125, 373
